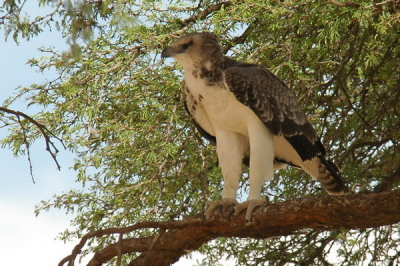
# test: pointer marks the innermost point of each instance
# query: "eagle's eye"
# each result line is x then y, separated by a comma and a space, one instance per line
186, 46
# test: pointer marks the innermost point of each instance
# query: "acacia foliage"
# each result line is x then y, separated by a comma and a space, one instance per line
118, 108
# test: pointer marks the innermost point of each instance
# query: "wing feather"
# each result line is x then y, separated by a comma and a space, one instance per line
275, 105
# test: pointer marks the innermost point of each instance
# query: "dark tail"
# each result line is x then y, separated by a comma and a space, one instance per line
330, 178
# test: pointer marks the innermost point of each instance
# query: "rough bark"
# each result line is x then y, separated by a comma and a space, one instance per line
176, 238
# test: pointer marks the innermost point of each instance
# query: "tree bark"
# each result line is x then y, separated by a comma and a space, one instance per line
176, 238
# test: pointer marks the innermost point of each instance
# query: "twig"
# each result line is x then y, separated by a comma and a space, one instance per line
200, 16
362, 144
346, 4
241, 38
27, 149
46, 133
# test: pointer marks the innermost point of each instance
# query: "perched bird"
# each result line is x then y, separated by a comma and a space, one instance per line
251, 116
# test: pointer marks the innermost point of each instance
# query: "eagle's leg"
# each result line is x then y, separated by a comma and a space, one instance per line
261, 167
230, 151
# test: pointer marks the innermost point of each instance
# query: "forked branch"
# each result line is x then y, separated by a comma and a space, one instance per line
46, 133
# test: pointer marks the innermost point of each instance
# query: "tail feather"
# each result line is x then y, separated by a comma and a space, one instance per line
330, 178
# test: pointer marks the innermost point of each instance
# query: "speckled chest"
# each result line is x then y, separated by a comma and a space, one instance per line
214, 107
201, 93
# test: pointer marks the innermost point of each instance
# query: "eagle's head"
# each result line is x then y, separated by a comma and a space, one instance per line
195, 49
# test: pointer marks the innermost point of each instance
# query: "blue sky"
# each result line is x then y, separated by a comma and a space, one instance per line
19, 227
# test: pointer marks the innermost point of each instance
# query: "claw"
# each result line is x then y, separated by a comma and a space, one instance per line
231, 212
249, 206
221, 209
221, 205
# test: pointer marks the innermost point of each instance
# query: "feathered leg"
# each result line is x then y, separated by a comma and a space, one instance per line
261, 168
230, 151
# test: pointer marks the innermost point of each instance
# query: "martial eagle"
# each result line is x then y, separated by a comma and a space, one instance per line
251, 116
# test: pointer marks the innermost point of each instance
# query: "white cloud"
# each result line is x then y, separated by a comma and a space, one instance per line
29, 240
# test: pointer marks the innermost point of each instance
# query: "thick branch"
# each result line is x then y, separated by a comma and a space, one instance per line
176, 238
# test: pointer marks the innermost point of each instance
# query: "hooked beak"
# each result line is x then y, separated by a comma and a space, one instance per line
166, 52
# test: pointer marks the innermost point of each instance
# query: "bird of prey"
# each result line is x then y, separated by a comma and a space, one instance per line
252, 117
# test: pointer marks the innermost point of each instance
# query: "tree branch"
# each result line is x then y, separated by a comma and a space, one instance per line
177, 238
346, 4
200, 16
361, 144
46, 133
242, 38
203, 14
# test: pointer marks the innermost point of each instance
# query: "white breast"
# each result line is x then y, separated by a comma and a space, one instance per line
217, 108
